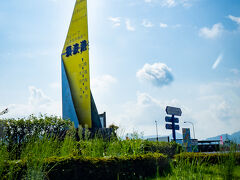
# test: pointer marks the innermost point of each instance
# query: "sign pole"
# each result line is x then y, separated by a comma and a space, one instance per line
173, 111
156, 130
173, 129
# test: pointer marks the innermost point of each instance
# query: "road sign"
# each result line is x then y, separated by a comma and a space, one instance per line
173, 111
169, 126
169, 119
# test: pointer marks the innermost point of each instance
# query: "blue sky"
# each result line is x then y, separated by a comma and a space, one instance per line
144, 55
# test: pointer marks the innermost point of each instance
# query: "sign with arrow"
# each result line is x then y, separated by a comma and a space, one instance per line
173, 111
171, 119
170, 126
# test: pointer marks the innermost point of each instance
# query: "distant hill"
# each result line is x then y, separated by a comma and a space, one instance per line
178, 136
233, 137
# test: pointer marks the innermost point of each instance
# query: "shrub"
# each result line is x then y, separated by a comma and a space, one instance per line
17, 133
76, 167
213, 158
124, 167
206, 166
169, 149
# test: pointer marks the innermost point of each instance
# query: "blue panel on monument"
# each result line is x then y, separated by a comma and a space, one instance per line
96, 123
68, 109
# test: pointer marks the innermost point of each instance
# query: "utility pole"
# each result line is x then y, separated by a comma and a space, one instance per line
156, 130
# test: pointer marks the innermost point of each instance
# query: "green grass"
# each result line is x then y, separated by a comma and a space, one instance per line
185, 168
38, 149
202, 171
41, 146
212, 172
190, 171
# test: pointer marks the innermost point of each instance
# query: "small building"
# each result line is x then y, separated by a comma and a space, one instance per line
160, 139
209, 145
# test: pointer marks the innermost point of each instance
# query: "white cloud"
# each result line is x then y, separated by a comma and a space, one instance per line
213, 109
212, 33
235, 19
235, 71
217, 61
147, 23
212, 112
218, 110
37, 97
177, 26
158, 74
140, 114
115, 20
212, 88
162, 25
186, 3
129, 26
38, 102
169, 3
55, 85
102, 84
27, 54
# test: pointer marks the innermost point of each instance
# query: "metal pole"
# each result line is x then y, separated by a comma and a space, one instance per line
156, 130
193, 128
173, 129
193, 131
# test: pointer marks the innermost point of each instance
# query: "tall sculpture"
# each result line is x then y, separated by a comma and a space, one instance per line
77, 101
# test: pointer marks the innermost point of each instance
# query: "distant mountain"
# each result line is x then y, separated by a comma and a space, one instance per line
178, 136
233, 137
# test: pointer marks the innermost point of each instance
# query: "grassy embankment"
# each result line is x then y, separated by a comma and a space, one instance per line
39, 154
